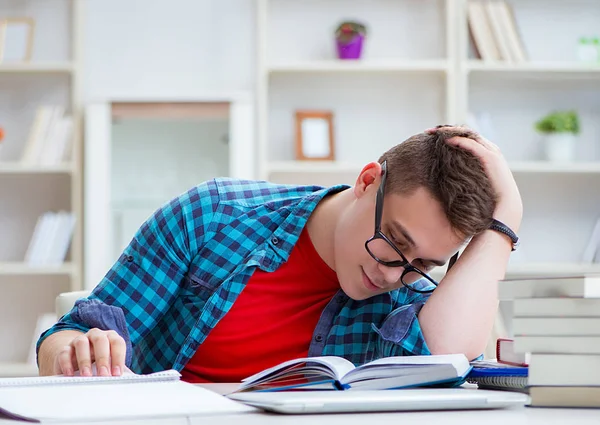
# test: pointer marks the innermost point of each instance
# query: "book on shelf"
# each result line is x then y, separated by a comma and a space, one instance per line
498, 30
50, 137
565, 396
494, 31
337, 373
481, 31
558, 344
51, 238
575, 286
507, 16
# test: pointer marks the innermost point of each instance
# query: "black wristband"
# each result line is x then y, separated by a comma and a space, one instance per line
498, 226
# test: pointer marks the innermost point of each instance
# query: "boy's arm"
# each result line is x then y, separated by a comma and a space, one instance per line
139, 288
459, 315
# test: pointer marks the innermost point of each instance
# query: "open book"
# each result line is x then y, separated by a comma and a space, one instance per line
98, 398
337, 373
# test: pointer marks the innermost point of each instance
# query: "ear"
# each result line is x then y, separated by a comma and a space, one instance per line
368, 179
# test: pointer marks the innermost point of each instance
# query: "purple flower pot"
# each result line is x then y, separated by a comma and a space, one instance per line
350, 50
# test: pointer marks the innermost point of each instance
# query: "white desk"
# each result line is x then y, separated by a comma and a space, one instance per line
515, 416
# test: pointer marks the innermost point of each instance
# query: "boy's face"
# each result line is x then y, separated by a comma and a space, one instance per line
416, 216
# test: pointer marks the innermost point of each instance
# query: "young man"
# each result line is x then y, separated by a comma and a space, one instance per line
235, 276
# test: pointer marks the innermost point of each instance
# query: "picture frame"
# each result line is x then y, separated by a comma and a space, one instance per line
16, 39
314, 136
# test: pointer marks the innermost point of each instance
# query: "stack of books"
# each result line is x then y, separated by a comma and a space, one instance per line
557, 321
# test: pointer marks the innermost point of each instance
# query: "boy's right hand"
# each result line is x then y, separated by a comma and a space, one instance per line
106, 348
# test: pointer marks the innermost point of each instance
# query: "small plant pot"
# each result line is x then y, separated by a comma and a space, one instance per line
560, 147
351, 49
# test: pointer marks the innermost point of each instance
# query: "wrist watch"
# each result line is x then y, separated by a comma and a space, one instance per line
498, 226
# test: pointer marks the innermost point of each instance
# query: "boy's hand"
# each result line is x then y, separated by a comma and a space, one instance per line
509, 208
106, 348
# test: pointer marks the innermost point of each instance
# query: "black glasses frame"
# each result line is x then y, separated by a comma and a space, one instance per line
378, 234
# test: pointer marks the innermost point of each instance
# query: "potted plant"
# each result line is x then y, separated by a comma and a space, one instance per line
349, 37
560, 130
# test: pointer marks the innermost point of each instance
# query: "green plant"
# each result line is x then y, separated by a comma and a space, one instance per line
559, 122
347, 30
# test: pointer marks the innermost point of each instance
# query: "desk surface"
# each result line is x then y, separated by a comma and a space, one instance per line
513, 416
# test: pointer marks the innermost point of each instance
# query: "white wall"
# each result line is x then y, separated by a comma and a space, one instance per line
167, 48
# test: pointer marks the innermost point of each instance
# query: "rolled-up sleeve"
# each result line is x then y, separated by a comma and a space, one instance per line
140, 287
400, 333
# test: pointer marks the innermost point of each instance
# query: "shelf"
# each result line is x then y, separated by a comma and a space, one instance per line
313, 167
16, 370
23, 269
536, 67
362, 66
17, 168
295, 167
555, 167
37, 68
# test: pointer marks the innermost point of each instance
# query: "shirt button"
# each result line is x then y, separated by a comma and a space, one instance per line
275, 240
319, 338
130, 258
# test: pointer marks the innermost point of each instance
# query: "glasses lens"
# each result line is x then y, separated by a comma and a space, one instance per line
411, 277
382, 250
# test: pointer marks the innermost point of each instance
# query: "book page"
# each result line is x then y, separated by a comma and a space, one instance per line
399, 363
337, 365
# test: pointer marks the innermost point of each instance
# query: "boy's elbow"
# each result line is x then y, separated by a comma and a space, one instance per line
471, 351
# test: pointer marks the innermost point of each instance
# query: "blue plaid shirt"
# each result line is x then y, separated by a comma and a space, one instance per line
187, 264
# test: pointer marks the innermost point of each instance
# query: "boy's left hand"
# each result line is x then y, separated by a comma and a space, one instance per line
509, 208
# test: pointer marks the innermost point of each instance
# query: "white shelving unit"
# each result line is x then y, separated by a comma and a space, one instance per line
26, 191
38, 68
362, 66
418, 71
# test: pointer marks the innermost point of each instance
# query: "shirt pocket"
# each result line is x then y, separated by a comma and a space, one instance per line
196, 291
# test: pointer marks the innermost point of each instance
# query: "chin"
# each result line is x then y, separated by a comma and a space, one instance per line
353, 290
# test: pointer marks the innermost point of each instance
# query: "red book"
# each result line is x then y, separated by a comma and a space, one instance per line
505, 353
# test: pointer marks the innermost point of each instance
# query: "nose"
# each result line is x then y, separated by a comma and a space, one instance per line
391, 275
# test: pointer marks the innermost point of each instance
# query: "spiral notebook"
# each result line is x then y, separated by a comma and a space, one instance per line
83, 399
491, 375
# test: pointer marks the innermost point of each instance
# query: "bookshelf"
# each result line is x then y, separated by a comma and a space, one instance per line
436, 73
38, 68
52, 76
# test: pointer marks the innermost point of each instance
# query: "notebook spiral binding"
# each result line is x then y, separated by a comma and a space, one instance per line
500, 382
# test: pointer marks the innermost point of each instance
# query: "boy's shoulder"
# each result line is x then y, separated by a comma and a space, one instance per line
259, 192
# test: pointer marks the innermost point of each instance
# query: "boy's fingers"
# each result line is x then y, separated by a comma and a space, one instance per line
117, 353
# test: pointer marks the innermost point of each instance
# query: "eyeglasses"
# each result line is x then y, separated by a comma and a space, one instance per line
387, 253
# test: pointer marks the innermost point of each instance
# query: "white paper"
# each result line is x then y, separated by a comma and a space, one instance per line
315, 138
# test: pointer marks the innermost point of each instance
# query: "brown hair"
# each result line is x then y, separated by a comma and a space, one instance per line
454, 176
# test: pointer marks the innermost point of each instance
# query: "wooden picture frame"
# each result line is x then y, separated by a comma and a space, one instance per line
314, 136
16, 39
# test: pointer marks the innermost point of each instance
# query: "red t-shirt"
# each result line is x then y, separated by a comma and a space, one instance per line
272, 320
